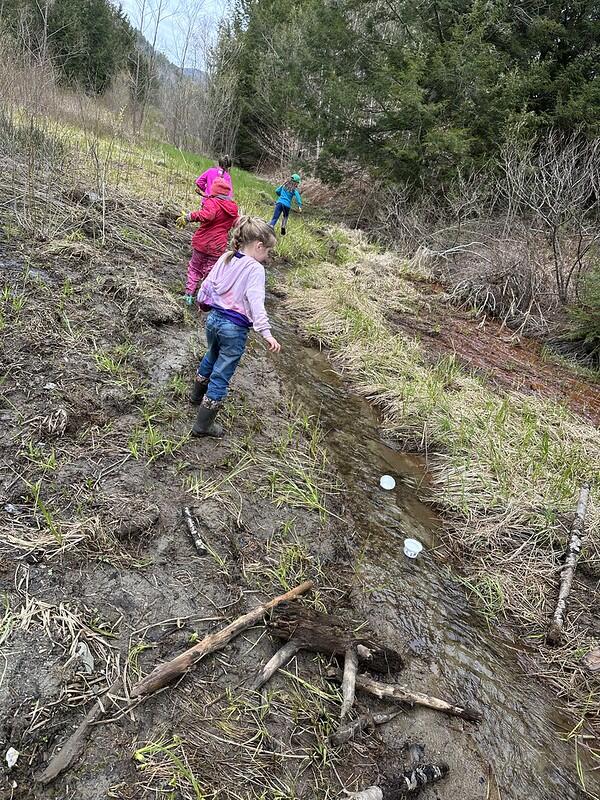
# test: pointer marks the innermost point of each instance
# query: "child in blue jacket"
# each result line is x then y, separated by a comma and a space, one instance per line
286, 193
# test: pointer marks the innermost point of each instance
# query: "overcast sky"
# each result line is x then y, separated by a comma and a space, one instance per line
176, 16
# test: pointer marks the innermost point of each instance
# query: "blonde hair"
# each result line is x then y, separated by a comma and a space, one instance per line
248, 230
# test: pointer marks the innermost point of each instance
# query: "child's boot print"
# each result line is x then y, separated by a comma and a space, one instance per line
205, 424
198, 389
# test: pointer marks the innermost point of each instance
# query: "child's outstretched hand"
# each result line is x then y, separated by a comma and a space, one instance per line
274, 345
181, 221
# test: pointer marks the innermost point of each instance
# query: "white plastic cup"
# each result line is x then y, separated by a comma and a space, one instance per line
387, 482
412, 548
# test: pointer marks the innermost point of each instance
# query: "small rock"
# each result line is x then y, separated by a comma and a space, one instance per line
12, 757
591, 660
416, 752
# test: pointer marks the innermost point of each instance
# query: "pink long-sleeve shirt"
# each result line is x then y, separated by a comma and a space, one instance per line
205, 181
238, 284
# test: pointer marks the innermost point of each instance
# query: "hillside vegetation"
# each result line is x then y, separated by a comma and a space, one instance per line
460, 297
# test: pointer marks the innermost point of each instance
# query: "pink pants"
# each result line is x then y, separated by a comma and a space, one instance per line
198, 268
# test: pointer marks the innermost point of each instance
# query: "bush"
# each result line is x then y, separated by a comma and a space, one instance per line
585, 316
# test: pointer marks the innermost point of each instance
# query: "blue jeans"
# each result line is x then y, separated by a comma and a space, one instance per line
280, 209
226, 344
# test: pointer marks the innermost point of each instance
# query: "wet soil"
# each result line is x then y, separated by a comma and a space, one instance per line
104, 441
507, 359
419, 603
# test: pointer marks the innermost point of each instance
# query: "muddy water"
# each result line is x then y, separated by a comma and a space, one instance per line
417, 603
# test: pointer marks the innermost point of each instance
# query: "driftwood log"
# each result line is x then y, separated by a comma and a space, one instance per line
568, 571
401, 694
166, 673
334, 635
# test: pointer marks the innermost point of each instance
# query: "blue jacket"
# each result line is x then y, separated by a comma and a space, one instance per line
285, 197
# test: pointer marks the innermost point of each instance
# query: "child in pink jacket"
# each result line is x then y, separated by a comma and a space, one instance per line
216, 217
204, 182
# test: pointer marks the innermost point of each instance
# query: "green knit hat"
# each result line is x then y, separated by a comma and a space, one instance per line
296, 177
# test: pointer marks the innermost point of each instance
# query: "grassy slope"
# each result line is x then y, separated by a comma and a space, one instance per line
506, 468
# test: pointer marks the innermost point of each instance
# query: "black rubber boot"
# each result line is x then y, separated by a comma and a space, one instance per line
198, 389
205, 424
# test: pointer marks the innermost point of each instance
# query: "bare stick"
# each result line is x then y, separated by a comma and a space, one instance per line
71, 750
392, 691
280, 659
165, 673
349, 680
365, 722
201, 548
568, 571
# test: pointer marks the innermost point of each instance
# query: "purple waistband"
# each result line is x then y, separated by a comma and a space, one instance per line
234, 316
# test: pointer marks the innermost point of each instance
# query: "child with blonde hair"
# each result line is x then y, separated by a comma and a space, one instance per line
234, 296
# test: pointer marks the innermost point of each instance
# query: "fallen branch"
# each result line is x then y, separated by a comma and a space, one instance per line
365, 722
71, 750
389, 691
280, 659
166, 673
201, 548
568, 571
327, 633
349, 680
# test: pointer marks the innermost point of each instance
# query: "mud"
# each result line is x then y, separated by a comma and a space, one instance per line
96, 467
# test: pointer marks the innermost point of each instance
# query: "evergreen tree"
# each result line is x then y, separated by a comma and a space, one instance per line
413, 91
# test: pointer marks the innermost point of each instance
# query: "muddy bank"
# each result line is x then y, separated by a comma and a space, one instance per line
102, 579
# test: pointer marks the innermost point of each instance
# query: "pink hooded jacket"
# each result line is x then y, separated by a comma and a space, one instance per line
238, 284
205, 181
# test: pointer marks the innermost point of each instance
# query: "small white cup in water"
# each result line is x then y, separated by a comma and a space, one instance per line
387, 482
412, 548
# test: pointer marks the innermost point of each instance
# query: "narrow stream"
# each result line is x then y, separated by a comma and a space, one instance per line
418, 600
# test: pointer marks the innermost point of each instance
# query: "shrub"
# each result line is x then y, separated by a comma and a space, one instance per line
585, 316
